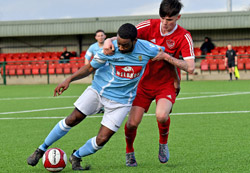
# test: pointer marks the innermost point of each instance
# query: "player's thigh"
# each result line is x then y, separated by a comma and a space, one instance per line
233, 69
89, 102
164, 101
135, 116
114, 114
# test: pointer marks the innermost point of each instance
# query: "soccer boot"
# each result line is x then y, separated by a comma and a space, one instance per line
163, 153
34, 158
130, 159
76, 163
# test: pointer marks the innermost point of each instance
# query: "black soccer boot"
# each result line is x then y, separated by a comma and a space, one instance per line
34, 158
76, 163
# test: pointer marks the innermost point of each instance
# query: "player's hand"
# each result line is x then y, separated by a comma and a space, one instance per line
61, 87
108, 47
159, 56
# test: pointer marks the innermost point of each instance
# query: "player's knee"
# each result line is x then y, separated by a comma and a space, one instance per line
162, 115
131, 125
74, 118
162, 118
101, 140
70, 121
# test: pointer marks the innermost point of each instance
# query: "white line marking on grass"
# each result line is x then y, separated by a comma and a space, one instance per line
147, 115
219, 95
202, 113
34, 98
40, 118
63, 97
36, 110
206, 92
184, 98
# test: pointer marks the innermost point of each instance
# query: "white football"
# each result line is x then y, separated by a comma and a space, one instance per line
54, 160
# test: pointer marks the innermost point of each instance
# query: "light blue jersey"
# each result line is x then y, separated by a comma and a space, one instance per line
92, 50
119, 82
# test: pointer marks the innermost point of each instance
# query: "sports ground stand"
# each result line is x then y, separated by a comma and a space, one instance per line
30, 50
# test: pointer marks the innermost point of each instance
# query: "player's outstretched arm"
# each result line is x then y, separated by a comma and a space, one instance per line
186, 65
108, 46
61, 87
81, 73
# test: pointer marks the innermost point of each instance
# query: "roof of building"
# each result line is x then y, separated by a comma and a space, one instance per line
194, 21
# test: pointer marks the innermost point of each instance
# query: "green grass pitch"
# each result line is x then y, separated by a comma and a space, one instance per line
209, 132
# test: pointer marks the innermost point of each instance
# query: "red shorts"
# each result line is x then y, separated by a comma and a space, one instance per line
144, 97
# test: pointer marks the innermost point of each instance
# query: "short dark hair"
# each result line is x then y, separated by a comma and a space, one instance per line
100, 30
208, 39
170, 8
127, 31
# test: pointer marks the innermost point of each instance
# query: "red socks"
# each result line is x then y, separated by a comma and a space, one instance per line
163, 131
130, 137
131, 134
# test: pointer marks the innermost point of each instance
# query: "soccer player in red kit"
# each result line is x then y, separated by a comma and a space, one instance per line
161, 79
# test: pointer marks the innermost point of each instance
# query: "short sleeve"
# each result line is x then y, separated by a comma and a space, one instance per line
187, 49
143, 29
149, 49
98, 60
89, 53
155, 50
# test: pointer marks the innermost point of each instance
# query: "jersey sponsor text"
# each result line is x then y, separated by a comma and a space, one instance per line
129, 72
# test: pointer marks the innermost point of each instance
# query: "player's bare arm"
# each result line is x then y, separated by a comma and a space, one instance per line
81, 73
108, 47
186, 65
86, 61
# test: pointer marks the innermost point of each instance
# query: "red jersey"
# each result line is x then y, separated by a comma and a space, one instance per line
177, 42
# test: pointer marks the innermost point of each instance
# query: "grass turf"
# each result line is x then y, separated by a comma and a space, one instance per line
206, 137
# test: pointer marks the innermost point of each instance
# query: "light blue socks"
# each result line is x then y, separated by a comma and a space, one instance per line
90, 147
56, 133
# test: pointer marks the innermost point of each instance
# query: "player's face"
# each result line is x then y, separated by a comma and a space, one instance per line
229, 47
100, 37
168, 23
125, 45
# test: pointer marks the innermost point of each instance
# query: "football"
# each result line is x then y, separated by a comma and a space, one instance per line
54, 160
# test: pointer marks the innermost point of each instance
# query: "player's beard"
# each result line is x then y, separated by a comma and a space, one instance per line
128, 50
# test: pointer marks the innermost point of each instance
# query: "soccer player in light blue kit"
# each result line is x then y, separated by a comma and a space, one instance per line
115, 90
100, 37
